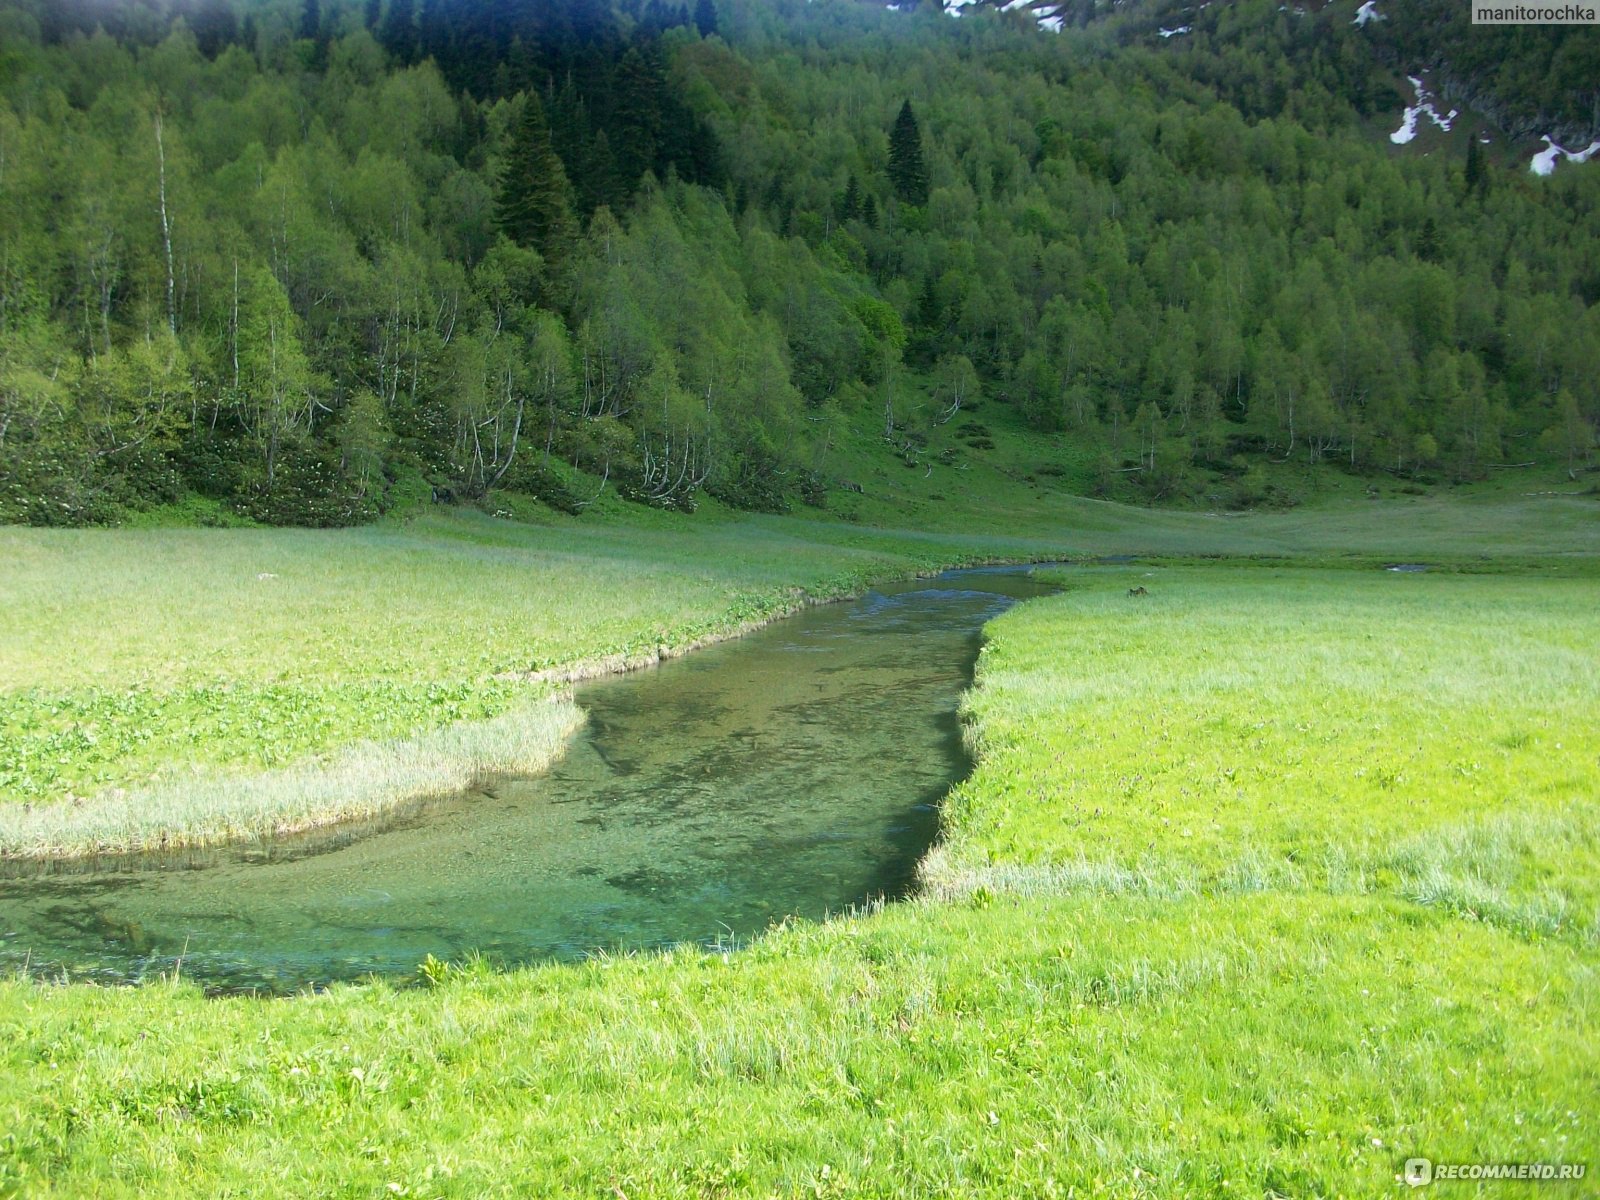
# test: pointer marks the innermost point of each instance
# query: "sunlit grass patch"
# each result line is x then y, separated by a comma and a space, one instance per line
75, 743
1239, 729
1217, 1046
206, 807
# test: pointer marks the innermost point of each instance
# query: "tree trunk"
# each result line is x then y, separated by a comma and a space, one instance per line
166, 231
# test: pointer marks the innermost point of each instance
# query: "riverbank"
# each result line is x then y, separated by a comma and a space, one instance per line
353, 784
1265, 883
199, 674
239, 684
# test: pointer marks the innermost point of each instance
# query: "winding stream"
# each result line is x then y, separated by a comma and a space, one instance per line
795, 771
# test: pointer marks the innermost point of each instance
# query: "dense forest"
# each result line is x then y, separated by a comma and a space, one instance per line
309, 259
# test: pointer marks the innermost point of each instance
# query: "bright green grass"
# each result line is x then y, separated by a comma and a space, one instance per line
1378, 938
1244, 728
1244, 1046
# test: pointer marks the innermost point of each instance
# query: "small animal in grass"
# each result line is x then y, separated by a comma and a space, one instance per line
1138, 591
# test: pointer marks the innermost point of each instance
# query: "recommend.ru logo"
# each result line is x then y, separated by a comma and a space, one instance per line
1419, 1172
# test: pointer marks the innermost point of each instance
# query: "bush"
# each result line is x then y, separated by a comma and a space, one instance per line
43, 485
548, 482
307, 489
753, 478
814, 489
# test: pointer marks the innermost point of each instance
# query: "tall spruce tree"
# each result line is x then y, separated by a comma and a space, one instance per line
638, 93
908, 172
215, 27
705, 17
399, 34
1477, 178
850, 205
535, 202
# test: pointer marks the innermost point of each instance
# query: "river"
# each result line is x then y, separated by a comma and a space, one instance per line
794, 772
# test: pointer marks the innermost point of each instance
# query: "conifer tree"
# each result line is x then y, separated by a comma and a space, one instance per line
535, 201
433, 33
399, 34
215, 27
908, 172
705, 17
850, 206
1477, 178
638, 90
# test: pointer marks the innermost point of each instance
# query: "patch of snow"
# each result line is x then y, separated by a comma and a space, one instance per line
1544, 162
1169, 33
1367, 12
1048, 15
1422, 108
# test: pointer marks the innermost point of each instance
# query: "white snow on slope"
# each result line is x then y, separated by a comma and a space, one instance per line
1545, 161
1169, 33
1422, 108
1047, 15
1367, 12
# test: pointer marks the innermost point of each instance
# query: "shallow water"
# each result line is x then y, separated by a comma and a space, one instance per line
796, 771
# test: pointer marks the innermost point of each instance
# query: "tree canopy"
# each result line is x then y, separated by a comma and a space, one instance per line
301, 258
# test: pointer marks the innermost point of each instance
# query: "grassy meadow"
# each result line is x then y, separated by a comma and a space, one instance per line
1430, 735
164, 686
1264, 882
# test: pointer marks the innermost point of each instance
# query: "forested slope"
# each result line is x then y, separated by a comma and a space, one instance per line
1527, 79
311, 260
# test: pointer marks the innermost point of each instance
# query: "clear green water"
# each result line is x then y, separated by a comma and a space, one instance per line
797, 771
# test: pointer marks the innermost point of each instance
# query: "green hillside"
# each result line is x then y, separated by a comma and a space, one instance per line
304, 264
